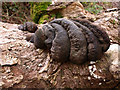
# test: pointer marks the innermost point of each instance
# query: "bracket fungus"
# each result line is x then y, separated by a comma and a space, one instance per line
76, 40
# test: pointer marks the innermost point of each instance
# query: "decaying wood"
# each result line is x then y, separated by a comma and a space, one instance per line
35, 69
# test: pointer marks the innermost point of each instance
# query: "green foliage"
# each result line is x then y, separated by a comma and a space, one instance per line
40, 14
43, 18
38, 10
92, 7
52, 15
58, 15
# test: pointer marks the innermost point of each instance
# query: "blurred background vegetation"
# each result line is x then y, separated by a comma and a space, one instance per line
20, 12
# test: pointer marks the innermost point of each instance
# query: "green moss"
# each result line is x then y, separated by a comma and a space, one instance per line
40, 14
58, 15
38, 10
62, 6
43, 18
53, 15
92, 7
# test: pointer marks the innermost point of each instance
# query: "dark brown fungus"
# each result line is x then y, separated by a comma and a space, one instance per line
61, 45
28, 26
93, 45
78, 42
74, 40
98, 32
49, 32
39, 39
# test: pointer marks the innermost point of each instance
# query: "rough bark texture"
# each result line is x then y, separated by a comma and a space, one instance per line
33, 68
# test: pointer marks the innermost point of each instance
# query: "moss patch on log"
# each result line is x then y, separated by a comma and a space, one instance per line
40, 14
38, 10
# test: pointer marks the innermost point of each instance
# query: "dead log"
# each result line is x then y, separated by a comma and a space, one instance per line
35, 69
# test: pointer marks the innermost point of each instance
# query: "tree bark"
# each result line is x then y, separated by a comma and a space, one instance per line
24, 66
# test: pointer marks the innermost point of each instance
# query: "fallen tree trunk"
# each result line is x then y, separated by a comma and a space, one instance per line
23, 66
